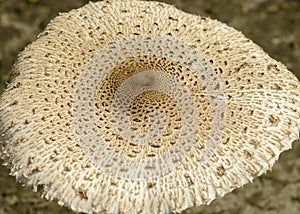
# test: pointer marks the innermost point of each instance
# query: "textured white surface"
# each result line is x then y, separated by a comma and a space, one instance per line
39, 123
150, 80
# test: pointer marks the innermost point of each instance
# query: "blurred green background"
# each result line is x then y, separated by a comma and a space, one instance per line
273, 24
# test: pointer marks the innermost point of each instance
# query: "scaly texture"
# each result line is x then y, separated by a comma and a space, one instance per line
137, 107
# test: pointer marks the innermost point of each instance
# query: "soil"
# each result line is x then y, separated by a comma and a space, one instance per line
273, 24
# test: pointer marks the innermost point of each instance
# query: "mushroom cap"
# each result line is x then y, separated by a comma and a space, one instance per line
138, 107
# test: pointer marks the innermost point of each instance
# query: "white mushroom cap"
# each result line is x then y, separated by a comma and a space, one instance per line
137, 107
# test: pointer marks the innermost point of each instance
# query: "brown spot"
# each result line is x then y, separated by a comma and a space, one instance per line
221, 170
274, 120
248, 153
151, 185
254, 143
189, 180
82, 194
14, 103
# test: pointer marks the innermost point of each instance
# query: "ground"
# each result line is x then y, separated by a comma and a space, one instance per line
273, 24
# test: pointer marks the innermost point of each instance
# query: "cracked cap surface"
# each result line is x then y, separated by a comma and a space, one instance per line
155, 112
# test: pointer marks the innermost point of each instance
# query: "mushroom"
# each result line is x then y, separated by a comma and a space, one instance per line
137, 107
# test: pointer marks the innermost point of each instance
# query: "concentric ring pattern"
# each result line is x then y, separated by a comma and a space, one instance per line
138, 161
137, 107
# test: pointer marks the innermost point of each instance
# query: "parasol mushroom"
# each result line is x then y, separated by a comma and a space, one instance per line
155, 112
